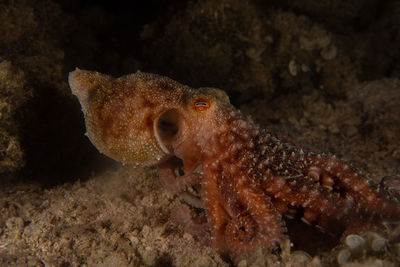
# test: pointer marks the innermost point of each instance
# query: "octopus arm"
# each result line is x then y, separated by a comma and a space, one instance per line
316, 202
178, 184
259, 226
336, 175
184, 216
370, 200
172, 181
216, 214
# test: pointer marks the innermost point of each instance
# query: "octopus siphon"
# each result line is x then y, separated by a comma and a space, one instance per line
218, 160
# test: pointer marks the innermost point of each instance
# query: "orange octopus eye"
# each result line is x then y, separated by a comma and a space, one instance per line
201, 105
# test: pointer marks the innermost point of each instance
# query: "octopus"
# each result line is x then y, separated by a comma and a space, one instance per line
218, 160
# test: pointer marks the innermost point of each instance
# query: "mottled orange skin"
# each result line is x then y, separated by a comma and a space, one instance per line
247, 178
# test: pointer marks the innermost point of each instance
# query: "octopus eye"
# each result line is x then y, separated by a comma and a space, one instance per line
201, 105
165, 129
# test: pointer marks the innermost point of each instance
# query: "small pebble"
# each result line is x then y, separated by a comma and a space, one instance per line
316, 262
329, 52
378, 243
305, 68
306, 44
300, 257
15, 223
269, 39
293, 67
354, 241
324, 41
343, 256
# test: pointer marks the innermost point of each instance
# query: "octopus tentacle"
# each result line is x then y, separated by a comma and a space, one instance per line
318, 205
192, 200
241, 235
390, 186
335, 172
184, 216
173, 183
261, 227
216, 215
178, 185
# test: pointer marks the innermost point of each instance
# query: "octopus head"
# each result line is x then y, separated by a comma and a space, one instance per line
119, 114
142, 118
191, 124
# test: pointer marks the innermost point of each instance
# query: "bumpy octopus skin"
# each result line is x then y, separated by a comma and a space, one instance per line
247, 178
